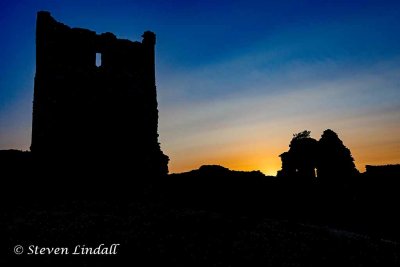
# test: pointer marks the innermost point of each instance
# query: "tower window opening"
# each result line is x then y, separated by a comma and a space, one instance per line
98, 59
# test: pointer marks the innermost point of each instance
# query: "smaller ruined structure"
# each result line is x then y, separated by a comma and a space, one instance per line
325, 158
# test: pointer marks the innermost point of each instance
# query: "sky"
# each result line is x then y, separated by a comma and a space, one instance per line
236, 79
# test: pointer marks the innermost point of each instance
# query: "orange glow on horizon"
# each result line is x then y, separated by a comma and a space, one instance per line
259, 156
248, 130
270, 164
266, 165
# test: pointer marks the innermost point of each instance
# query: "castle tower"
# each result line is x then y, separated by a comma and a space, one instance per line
95, 97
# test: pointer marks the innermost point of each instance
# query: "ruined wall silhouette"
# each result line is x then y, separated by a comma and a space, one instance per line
326, 158
105, 111
301, 158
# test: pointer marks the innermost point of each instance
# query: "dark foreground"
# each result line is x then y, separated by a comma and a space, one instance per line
153, 235
208, 218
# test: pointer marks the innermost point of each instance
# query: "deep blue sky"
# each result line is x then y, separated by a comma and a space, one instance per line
236, 78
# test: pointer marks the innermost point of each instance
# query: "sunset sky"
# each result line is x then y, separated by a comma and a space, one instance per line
236, 79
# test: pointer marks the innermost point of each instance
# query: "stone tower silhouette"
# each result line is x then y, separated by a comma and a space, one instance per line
86, 109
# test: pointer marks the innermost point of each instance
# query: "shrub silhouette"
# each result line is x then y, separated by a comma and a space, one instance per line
334, 158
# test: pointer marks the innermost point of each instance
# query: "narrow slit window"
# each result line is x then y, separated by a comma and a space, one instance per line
98, 59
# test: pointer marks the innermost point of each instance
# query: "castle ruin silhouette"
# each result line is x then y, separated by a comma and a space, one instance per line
95, 98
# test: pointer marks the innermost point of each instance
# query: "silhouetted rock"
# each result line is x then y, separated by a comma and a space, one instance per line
95, 117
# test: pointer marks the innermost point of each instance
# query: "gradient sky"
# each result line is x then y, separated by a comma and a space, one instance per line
236, 79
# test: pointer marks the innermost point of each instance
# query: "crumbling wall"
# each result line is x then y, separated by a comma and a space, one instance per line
82, 111
329, 157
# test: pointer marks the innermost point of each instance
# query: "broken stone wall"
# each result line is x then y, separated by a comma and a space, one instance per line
86, 110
